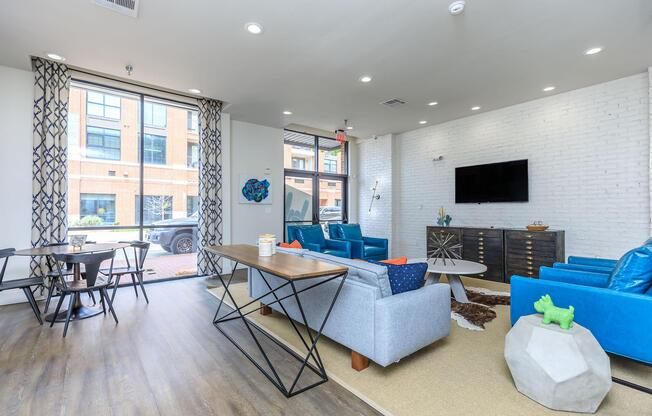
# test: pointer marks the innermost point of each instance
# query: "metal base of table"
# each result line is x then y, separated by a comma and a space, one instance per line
456, 284
311, 361
79, 311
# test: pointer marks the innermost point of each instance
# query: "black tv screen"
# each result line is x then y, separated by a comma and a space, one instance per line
495, 182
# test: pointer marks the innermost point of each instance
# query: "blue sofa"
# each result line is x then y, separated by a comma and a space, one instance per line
366, 318
620, 321
365, 248
312, 238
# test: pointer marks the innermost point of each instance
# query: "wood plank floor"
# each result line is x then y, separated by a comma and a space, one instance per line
164, 358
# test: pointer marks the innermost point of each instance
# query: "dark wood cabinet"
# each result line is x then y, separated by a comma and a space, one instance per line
505, 252
526, 251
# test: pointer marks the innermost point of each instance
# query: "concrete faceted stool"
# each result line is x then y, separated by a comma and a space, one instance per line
563, 369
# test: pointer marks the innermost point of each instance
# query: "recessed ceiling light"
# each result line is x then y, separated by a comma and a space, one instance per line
457, 7
423, 122
194, 91
476, 108
56, 57
287, 113
349, 127
366, 78
432, 103
254, 28
548, 89
593, 51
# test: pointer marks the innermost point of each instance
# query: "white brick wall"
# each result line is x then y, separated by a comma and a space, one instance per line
374, 163
589, 165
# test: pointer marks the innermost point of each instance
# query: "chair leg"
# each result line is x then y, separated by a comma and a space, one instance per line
50, 292
92, 297
142, 286
133, 281
103, 303
105, 293
115, 287
71, 303
56, 311
32, 303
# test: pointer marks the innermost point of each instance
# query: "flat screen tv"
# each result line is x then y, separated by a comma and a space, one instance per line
494, 182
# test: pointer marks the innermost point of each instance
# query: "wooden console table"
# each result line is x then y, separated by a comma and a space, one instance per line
290, 269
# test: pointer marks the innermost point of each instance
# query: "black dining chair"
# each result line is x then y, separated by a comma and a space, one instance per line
53, 273
25, 284
135, 270
93, 281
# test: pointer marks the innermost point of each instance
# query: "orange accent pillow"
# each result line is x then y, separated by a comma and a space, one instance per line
397, 261
294, 244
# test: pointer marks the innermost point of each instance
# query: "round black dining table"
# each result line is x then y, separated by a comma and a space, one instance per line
80, 311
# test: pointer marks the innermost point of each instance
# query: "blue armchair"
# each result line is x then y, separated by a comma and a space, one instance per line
365, 248
312, 238
620, 321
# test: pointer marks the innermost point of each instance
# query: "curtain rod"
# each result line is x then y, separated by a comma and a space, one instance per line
135, 84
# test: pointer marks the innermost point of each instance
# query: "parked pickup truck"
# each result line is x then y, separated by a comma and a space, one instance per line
181, 239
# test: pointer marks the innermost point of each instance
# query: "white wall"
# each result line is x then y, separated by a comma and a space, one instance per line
256, 150
373, 162
16, 99
589, 162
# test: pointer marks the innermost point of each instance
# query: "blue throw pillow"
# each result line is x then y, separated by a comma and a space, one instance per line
404, 277
351, 231
633, 272
312, 235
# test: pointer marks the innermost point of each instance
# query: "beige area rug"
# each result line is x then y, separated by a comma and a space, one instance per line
463, 374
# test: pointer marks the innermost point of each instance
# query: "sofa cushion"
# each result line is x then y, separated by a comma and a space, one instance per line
351, 231
371, 274
633, 272
312, 235
405, 277
333, 252
370, 251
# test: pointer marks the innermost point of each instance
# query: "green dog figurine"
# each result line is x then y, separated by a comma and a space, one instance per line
551, 313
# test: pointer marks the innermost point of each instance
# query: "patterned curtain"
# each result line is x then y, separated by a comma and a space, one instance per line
49, 156
210, 180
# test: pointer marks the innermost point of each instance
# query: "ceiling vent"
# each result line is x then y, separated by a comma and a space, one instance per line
394, 102
126, 7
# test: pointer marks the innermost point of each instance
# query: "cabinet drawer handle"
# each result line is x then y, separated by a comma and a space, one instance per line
529, 257
528, 235
482, 275
530, 273
480, 239
529, 263
528, 247
481, 233
480, 251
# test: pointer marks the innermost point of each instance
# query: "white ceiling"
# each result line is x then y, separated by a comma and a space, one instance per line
311, 54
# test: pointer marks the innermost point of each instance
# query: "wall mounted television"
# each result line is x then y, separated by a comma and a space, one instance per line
494, 182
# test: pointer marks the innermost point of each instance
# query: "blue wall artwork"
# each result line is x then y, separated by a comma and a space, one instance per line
255, 190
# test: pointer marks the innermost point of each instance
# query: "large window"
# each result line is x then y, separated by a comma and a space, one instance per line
127, 174
96, 209
102, 143
154, 148
103, 105
155, 115
316, 180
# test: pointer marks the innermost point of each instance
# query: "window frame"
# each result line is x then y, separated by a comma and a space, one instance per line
104, 105
315, 176
103, 146
145, 151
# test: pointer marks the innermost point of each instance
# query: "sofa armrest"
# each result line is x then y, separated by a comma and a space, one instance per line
575, 277
620, 321
409, 321
582, 267
339, 245
311, 247
376, 242
591, 261
357, 249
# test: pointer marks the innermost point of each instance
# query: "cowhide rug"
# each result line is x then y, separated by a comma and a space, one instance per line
479, 311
